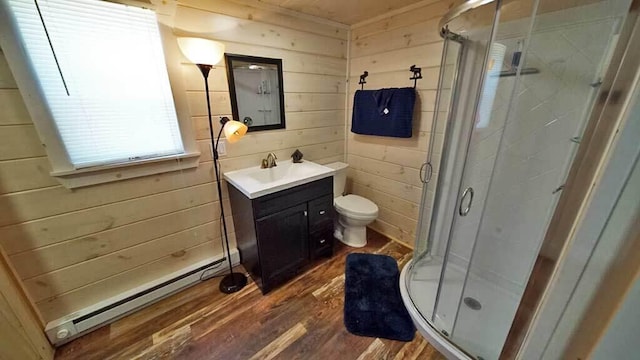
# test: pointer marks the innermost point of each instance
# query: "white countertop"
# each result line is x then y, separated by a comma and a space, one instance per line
255, 182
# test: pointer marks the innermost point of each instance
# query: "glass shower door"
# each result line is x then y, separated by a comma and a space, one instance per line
428, 254
458, 220
538, 82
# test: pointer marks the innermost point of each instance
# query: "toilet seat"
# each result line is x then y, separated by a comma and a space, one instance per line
356, 207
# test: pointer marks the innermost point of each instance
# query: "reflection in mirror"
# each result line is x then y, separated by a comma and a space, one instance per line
255, 86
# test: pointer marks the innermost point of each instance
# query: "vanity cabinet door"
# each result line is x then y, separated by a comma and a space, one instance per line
283, 244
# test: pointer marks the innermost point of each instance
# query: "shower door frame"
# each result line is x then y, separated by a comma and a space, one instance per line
453, 102
448, 36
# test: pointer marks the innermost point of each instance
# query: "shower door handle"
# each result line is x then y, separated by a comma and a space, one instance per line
465, 211
427, 174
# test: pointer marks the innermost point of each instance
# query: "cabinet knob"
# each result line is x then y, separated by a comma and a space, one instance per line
322, 241
322, 212
305, 213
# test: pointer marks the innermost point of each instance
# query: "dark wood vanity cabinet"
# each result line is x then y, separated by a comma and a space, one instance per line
283, 242
277, 234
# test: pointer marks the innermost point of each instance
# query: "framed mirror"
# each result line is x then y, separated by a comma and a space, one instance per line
255, 87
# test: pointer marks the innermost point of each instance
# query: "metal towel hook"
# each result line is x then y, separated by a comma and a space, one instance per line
362, 79
417, 74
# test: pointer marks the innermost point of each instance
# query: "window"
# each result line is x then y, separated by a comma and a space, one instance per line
101, 72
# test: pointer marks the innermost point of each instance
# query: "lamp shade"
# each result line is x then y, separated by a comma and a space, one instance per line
234, 130
201, 51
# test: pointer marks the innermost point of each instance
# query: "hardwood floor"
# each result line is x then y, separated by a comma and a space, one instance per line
302, 319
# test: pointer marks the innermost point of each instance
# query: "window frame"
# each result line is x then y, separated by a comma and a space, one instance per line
44, 123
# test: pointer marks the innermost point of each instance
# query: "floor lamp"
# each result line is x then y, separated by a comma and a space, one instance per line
206, 53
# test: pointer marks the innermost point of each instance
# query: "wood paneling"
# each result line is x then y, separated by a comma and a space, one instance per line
19, 142
426, 55
95, 269
392, 187
99, 245
345, 12
25, 174
21, 333
407, 208
313, 83
313, 102
253, 11
76, 224
14, 111
402, 19
421, 33
93, 293
74, 248
228, 28
34, 204
315, 152
6, 82
386, 169
312, 119
293, 61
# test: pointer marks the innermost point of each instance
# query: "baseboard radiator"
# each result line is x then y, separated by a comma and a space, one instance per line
72, 326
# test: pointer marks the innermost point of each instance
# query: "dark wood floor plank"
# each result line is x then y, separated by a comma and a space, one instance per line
91, 343
430, 353
170, 309
250, 330
302, 319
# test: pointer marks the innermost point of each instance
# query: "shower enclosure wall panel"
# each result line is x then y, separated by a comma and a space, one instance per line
510, 143
533, 153
550, 109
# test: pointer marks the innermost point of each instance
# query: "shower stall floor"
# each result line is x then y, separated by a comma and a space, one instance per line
482, 329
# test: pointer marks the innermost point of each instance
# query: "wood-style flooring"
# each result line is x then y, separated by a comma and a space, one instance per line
302, 319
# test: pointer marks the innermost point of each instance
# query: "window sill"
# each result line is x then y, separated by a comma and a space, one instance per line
109, 173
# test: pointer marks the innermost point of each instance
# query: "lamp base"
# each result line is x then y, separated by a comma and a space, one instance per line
233, 282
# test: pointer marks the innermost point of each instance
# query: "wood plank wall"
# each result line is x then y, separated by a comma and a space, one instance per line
21, 335
74, 248
384, 169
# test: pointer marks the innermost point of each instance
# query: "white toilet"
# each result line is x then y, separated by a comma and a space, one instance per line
354, 212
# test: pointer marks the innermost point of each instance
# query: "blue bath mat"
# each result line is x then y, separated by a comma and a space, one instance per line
372, 303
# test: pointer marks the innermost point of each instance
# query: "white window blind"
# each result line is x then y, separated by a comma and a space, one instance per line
102, 71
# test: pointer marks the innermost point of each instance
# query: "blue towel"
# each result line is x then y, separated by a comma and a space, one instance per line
384, 112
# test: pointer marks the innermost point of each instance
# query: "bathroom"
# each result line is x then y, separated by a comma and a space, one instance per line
74, 242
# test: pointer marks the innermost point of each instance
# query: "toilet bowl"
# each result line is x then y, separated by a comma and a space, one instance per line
354, 212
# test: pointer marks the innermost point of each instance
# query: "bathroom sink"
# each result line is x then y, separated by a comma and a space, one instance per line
255, 182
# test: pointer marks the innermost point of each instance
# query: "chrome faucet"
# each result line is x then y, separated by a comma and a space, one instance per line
270, 161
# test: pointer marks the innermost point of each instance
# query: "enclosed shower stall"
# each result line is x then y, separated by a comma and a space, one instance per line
518, 81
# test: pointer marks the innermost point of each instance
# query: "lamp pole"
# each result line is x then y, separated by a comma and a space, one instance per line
232, 282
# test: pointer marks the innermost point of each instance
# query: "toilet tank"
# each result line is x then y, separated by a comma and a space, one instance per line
339, 178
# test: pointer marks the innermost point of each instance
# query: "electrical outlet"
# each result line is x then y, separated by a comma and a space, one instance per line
222, 147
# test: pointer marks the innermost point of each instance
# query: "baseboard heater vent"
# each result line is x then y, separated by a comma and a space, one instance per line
72, 326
